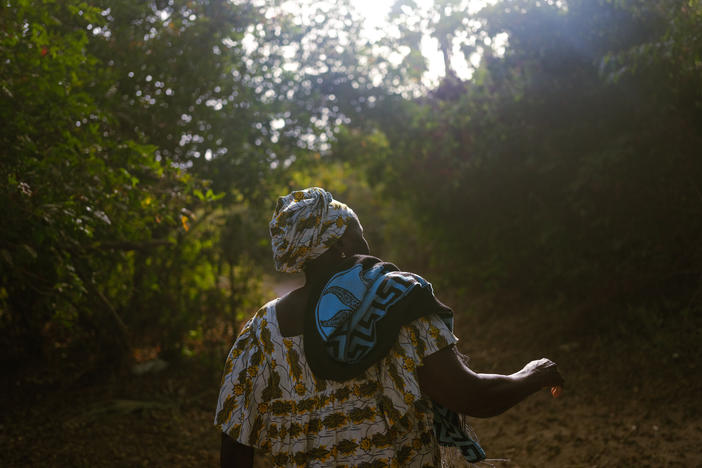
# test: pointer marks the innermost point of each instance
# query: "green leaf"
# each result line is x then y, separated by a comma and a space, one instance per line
30, 251
6, 256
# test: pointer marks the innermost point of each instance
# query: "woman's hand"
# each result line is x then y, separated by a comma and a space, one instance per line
542, 373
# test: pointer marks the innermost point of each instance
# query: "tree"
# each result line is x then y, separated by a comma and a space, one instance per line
145, 143
567, 164
95, 216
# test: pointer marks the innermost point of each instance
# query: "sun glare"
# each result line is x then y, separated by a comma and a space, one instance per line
375, 16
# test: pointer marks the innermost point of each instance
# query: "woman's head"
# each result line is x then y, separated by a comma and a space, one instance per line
307, 223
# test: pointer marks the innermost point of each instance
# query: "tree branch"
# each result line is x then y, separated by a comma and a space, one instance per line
127, 245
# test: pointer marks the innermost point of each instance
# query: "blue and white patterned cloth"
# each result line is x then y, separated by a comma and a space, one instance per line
356, 319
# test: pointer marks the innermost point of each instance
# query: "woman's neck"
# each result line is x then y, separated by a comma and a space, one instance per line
322, 268
291, 307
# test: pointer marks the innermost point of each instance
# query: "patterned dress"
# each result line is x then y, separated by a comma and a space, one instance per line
269, 399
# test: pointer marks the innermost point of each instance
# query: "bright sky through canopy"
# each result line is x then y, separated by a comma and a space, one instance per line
375, 13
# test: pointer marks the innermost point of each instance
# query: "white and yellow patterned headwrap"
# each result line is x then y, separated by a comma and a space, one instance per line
305, 224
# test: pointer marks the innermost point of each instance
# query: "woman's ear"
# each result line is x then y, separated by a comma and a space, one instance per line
344, 246
339, 247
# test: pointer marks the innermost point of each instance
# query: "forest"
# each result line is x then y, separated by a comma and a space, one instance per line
548, 183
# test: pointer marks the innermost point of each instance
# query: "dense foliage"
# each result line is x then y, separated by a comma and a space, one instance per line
90, 213
144, 144
569, 166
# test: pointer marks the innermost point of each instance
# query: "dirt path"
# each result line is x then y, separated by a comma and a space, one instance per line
625, 404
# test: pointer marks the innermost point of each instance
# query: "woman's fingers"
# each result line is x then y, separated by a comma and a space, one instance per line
556, 377
546, 371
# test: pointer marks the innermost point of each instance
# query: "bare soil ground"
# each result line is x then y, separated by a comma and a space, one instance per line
632, 399
624, 405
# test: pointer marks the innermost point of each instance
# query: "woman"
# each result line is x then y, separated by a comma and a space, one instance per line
359, 366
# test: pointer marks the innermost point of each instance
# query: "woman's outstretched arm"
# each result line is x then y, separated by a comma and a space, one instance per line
448, 381
235, 455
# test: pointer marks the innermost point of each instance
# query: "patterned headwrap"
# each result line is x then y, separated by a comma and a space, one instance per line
305, 224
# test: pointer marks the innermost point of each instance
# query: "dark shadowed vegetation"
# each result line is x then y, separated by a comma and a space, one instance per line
555, 198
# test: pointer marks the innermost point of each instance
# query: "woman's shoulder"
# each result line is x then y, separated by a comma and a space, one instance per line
259, 320
256, 337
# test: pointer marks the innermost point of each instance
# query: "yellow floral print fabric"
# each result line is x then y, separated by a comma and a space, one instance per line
269, 399
305, 224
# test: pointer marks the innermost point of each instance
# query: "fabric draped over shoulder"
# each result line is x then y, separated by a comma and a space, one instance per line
354, 319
